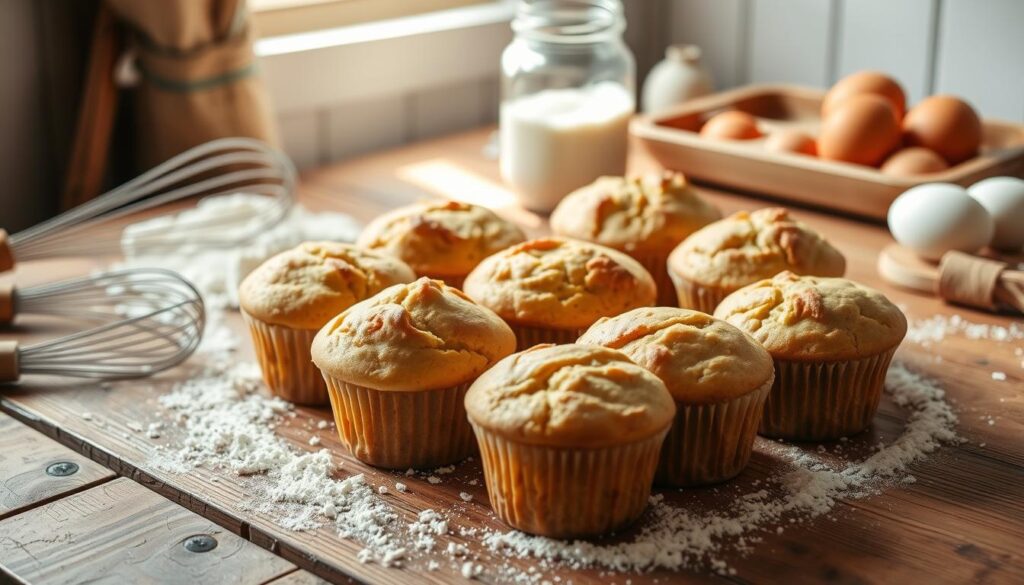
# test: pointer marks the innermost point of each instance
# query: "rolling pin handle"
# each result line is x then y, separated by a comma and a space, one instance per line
6, 254
9, 370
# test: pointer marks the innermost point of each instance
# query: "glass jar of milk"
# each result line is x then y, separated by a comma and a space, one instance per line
567, 97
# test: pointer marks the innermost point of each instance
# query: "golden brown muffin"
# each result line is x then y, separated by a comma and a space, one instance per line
290, 296
397, 367
569, 437
645, 217
832, 341
718, 376
744, 248
440, 239
551, 289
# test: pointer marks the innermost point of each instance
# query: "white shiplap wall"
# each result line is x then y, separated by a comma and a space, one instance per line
972, 48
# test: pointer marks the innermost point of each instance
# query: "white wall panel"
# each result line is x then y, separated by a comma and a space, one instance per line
445, 109
981, 55
894, 37
790, 41
718, 27
361, 127
301, 137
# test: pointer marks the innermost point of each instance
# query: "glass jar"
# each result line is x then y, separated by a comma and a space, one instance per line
567, 96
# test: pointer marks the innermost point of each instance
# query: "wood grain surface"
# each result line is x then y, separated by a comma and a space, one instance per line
25, 455
961, 521
120, 532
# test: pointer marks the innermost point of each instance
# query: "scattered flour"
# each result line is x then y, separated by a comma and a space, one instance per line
936, 328
675, 537
217, 272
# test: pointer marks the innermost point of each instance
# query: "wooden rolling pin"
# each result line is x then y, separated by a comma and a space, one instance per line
959, 278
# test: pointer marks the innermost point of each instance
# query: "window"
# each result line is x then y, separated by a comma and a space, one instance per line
282, 17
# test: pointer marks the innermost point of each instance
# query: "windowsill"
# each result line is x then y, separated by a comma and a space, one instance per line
500, 11
321, 69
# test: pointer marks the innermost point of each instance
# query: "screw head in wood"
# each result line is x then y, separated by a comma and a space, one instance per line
62, 469
200, 543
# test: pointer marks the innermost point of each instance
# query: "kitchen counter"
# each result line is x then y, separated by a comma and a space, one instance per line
960, 520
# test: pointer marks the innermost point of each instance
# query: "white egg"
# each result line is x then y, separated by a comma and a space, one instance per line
934, 218
1003, 197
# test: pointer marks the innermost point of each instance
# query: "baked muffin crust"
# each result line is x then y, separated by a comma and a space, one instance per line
419, 336
304, 287
807, 318
440, 238
570, 396
637, 215
701, 359
747, 247
560, 283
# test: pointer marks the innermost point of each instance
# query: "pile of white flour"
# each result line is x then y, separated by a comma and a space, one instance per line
217, 272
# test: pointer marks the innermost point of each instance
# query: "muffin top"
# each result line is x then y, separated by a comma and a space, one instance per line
303, 287
560, 283
570, 396
637, 215
746, 247
702, 360
424, 335
440, 238
812, 318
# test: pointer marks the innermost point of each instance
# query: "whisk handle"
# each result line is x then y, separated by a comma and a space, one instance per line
6, 303
9, 368
6, 253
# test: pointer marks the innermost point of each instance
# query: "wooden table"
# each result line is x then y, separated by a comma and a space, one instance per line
961, 521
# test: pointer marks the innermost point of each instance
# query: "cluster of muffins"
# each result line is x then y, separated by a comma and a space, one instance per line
647, 341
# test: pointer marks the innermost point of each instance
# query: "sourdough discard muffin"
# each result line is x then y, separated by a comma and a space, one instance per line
289, 297
440, 239
832, 341
551, 289
645, 217
718, 376
569, 437
744, 248
397, 367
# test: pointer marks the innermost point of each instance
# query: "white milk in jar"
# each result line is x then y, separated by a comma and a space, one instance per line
557, 140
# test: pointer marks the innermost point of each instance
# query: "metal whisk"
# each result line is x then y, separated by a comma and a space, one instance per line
219, 167
150, 320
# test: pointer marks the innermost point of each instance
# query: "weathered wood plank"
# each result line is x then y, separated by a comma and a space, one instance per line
120, 532
299, 577
35, 469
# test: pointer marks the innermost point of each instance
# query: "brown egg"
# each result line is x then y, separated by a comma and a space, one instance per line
731, 125
863, 130
945, 124
792, 141
915, 160
862, 82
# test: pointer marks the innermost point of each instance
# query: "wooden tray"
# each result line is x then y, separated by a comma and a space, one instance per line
672, 138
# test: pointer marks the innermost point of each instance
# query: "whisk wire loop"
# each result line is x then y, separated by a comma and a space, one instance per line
145, 321
219, 167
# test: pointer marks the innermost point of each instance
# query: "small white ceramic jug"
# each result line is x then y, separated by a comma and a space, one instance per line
679, 77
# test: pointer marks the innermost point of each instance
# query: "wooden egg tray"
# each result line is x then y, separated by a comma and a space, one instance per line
672, 138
